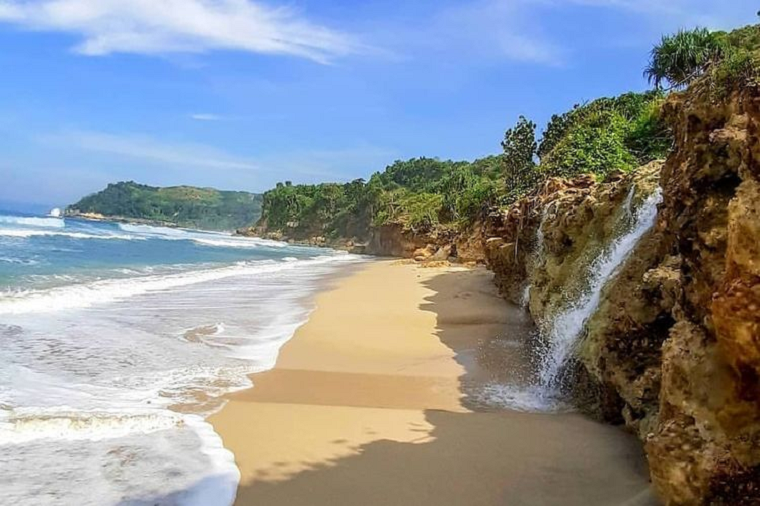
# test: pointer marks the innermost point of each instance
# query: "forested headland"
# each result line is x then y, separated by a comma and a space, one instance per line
184, 206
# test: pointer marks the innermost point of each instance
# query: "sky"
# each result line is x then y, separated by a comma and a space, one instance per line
241, 94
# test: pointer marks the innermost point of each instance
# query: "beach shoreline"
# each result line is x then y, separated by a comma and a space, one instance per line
374, 400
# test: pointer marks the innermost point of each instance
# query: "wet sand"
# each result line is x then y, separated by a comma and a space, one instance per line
374, 401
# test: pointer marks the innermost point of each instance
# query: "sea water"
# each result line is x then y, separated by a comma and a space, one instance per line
118, 340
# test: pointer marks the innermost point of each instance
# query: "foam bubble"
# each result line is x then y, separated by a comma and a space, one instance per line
30, 425
528, 399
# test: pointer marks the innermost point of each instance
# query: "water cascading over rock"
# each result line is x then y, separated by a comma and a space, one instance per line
574, 236
567, 326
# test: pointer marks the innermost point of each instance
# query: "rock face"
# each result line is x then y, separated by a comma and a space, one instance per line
391, 240
541, 248
673, 350
705, 445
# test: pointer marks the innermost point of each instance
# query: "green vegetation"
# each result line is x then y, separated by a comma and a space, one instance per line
684, 56
185, 206
599, 137
422, 194
418, 194
740, 62
605, 135
520, 148
727, 59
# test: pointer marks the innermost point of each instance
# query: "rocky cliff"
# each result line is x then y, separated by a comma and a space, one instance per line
673, 350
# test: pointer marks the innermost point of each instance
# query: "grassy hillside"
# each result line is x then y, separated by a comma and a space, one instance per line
185, 206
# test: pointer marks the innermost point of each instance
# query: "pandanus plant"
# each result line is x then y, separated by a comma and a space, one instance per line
684, 56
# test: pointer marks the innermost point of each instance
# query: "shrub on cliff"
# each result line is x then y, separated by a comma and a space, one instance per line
605, 135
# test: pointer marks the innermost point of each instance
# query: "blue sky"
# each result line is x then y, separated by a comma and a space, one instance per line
240, 94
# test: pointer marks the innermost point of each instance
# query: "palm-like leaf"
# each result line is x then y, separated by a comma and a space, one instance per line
682, 57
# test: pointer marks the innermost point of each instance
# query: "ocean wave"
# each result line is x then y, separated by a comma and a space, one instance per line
98, 292
150, 229
232, 242
26, 233
212, 239
33, 222
18, 261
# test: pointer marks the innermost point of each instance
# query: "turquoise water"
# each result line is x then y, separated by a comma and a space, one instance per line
45, 251
118, 340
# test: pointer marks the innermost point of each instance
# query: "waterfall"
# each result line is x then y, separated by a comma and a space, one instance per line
556, 342
538, 255
567, 325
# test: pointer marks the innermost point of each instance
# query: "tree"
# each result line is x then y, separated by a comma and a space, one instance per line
519, 151
681, 58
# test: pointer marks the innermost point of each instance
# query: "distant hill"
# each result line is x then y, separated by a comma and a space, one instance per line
184, 206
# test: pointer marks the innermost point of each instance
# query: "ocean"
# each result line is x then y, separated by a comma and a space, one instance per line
118, 340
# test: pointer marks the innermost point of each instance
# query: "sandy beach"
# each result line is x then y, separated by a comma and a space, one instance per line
374, 401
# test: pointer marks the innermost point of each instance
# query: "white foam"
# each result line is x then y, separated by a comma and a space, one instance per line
98, 292
53, 222
527, 399
220, 487
205, 238
27, 425
26, 233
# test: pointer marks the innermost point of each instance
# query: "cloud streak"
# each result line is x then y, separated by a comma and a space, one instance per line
206, 117
155, 27
197, 159
151, 150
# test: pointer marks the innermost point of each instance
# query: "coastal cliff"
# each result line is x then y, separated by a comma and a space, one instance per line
673, 349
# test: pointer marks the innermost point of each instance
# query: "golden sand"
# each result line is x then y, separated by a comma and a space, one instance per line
370, 404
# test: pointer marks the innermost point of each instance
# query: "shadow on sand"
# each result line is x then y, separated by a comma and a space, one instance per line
480, 458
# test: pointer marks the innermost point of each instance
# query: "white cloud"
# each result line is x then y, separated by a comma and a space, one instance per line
206, 117
180, 26
151, 150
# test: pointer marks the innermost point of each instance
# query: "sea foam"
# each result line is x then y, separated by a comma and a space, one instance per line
114, 352
98, 292
32, 221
